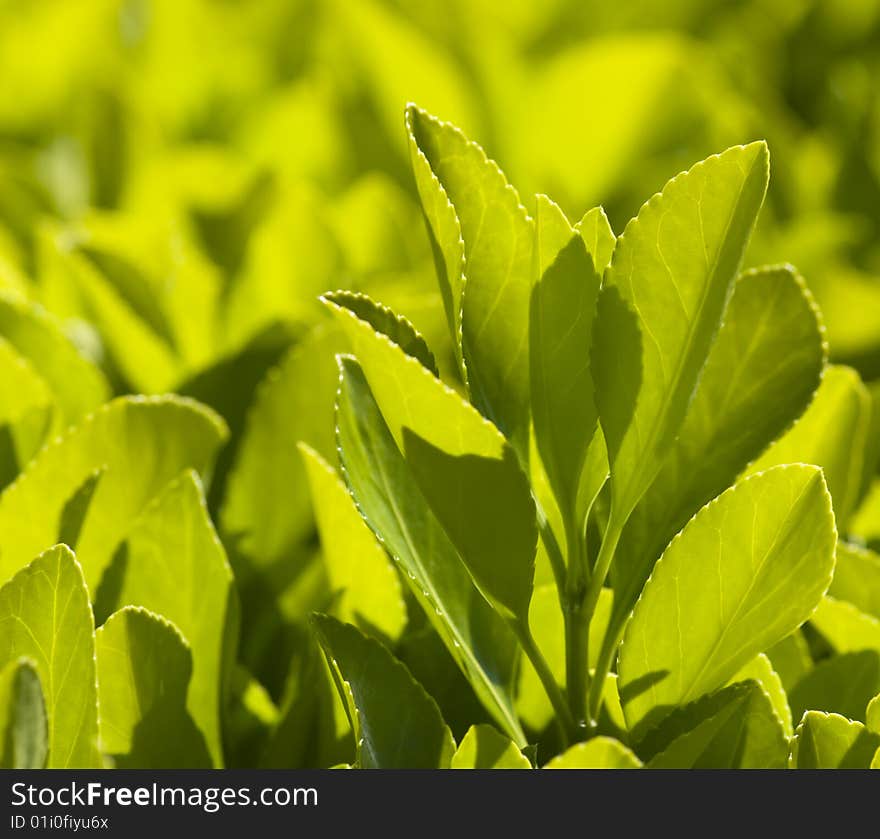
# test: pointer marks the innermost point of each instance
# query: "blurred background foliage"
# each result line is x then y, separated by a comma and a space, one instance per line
179, 180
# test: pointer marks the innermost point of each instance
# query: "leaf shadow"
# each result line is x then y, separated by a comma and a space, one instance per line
617, 324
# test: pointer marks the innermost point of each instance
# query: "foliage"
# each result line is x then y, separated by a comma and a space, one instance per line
594, 485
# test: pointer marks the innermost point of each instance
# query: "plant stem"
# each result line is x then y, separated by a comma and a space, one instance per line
577, 626
603, 667
551, 688
600, 572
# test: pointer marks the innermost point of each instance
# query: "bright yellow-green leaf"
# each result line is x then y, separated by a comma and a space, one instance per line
463, 465
845, 627
832, 433
748, 569
493, 283
760, 670
392, 504
357, 566
595, 230
138, 444
761, 373
791, 658
563, 309
661, 304
144, 668
174, 565
266, 510
76, 384
396, 724
598, 753
45, 616
857, 578
843, 684
484, 748
872, 715
830, 741
736, 728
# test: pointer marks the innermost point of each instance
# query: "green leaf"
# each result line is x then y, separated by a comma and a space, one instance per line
396, 724
857, 578
791, 658
466, 470
845, 627
872, 715
761, 373
736, 728
661, 304
598, 236
357, 567
77, 385
598, 753
383, 320
23, 727
267, 509
143, 357
830, 741
843, 684
563, 308
45, 615
395, 509
139, 443
494, 299
832, 434
760, 670
174, 565
484, 748
144, 668
748, 569
27, 410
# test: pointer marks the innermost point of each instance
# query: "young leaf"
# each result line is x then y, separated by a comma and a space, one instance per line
598, 236
194, 591
45, 615
872, 715
832, 434
663, 298
760, 670
144, 668
395, 509
77, 385
139, 443
748, 569
843, 684
494, 299
791, 659
23, 726
830, 741
484, 748
463, 465
396, 724
384, 321
737, 728
857, 578
355, 562
761, 373
26, 410
563, 308
267, 508
845, 627
599, 753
